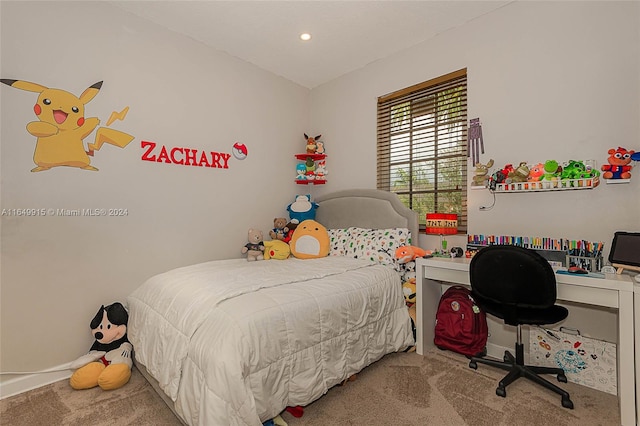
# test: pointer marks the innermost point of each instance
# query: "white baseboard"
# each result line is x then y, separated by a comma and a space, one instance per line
496, 351
27, 382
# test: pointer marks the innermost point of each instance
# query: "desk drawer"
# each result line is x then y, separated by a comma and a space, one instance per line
590, 295
448, 275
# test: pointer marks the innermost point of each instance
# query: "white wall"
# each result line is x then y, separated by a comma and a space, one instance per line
549, 80
536, 79
57, 271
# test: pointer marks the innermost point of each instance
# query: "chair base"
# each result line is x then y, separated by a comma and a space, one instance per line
516, 368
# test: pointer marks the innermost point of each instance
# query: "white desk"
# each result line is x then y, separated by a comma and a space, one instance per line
613, 291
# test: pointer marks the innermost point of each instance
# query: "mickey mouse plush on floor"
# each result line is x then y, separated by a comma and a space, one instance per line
108, 363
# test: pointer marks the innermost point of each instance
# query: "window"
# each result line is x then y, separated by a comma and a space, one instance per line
422, 146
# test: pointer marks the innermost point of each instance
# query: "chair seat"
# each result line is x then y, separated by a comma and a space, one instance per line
524, 315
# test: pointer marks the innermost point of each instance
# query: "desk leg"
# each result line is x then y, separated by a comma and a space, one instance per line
626, 360
428, 294
636, 333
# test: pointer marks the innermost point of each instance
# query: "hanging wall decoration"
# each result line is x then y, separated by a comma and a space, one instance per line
182, 156
240, 151
475, 144
62, 127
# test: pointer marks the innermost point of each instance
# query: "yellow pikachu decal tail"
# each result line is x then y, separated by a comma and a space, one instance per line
62, 127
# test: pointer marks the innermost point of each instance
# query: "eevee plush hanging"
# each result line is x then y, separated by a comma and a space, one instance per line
62, 127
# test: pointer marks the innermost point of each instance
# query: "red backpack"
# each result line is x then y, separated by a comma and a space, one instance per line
460, 324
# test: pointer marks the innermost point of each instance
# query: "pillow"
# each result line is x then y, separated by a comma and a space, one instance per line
338, 238
310, 240
378, 245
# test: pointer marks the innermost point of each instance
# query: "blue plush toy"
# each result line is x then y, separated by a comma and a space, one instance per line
301, 170
302, 208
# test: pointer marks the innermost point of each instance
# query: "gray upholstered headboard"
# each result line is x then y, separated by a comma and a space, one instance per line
366, 208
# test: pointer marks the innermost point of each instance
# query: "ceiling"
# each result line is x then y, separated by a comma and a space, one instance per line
346, 35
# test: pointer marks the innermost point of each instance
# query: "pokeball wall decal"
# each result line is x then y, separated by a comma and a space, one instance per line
239, 151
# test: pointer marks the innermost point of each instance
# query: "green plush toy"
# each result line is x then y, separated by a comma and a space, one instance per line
108, 363
552, 171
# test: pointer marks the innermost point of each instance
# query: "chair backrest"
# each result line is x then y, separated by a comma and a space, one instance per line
512, 275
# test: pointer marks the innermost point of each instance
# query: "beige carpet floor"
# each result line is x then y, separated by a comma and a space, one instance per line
401, 389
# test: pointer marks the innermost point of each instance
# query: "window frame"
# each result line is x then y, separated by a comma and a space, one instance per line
419, 146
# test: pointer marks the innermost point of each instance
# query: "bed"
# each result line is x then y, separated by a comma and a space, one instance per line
231, 342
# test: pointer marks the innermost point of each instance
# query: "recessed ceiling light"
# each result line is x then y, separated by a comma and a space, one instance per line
305, 36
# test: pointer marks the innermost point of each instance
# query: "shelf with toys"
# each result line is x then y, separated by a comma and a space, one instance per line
552, 176
312, 168
541, 177
548, 185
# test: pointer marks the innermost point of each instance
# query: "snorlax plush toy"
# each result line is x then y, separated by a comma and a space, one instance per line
108, 363
302, 208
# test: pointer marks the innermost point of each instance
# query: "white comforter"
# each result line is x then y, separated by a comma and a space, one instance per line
233, 342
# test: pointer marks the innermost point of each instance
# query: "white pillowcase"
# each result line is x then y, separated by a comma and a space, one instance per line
338, 239
378, 245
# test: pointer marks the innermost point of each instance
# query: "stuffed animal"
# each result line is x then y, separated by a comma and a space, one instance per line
409, 290
405, 254
254, 249
289, 228
301, 170
302, 208
108, 363
321, 170
311, 143
536, 172
500, 176
481, 175
276, 249
519, 174
278, 232
552, 170
310, 240
572, 170
618, 167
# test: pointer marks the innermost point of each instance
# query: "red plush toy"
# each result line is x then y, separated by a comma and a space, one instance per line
618, 167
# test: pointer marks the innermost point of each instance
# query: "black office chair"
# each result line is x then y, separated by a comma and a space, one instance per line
518, 286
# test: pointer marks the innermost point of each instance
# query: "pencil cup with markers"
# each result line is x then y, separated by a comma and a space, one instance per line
591, 264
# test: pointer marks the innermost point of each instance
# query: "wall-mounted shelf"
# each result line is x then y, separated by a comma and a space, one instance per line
315, 179
617, 180
547, 185
314, 157
311, 182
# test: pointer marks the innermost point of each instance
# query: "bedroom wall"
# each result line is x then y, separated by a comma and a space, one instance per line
57, 270
549, 80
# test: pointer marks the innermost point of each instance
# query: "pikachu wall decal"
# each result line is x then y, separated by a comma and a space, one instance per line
62, 127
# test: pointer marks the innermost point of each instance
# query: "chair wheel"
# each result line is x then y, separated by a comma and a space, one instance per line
473, 364
567, 403
500, 391
562, 378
